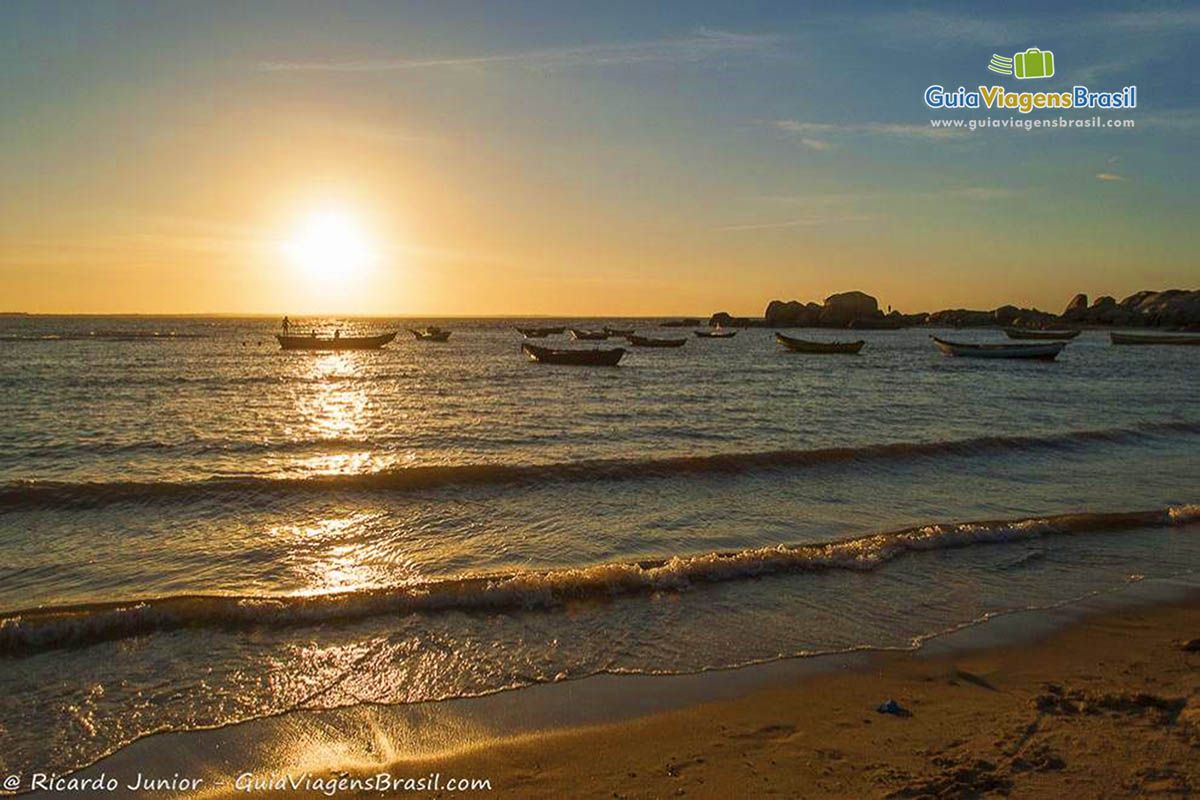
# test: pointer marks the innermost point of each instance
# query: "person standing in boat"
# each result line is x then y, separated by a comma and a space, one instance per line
286, 325
337, 334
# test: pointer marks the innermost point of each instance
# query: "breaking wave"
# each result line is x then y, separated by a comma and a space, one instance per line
30, 495
39, 630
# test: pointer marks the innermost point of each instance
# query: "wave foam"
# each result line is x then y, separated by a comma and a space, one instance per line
38, 630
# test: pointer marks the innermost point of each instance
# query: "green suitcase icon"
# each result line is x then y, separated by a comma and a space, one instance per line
1034, 63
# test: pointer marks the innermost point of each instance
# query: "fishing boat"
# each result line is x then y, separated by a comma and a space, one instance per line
645, 341
1031, 333
1141, 338
806, 346
618, 331
716, 334
539, 333
430, 334
1046, 351
579, 358
589, 336
314, 342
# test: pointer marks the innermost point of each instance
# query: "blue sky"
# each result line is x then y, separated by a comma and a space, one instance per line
585, 158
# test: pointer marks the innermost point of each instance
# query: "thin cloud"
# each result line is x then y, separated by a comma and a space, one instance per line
904, 130
816, 144
703, 45
1152, 21
1109, 176
802, 222
941, 30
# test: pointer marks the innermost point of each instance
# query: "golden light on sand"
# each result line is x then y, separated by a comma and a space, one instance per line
330, 245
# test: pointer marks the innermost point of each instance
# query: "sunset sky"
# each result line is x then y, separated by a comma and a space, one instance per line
591, 158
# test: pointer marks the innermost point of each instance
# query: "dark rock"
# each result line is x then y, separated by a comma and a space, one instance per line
961, 318
792, 314
1007, 315
1133, 300
1078, 303
842, 309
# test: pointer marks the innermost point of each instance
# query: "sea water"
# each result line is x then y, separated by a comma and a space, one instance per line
197, 528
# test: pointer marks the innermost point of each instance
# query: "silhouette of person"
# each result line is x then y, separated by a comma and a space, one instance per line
286, 325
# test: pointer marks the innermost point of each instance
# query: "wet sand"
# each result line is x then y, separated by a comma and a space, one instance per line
1107, 707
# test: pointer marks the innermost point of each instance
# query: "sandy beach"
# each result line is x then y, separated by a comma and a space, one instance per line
1109, 707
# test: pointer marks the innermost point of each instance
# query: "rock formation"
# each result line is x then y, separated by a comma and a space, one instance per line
1173, 308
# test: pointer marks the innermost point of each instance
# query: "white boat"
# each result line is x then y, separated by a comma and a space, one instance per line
1047, 351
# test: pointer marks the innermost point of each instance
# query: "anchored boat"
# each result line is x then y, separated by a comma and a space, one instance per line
579, 358
590, 336
1140, 338
1031, 333
539, 333
806, 346
314, 342
431, 334
1046, 351
716, 334
645, 341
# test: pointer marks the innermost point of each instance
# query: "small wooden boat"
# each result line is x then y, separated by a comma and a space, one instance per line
314, 342
1033, 333
645, 341
539, 333
588, 336
431, 334
618, 331
579, 358
1141, 338
806, 346
716, 334
1046, 351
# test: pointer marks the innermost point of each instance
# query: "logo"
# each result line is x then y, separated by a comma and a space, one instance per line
1026, 65
1033, 63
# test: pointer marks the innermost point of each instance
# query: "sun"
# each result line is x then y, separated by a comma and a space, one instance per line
330, 245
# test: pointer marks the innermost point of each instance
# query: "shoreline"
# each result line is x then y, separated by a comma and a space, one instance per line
528, 741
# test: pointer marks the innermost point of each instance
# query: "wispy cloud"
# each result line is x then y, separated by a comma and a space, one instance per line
827, 131
1109, 176
1182, 120
816, 144
703, 45
1175, 20
933, 29
801, 222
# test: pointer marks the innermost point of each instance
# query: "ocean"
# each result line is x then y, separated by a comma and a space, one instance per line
198, 529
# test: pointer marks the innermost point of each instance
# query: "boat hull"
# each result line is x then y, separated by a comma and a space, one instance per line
1137, 338
1041, 352
819, 348
1029, 333
575, 358
430, 336
715, 334
341, 343
642, 341
588, 336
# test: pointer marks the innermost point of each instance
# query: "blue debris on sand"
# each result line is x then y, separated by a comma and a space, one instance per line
891, 707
